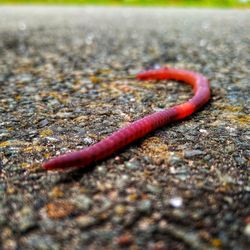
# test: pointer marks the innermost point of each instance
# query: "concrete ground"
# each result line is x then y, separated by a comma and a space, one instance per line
185, 186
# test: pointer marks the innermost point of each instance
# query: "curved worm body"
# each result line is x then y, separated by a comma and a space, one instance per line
141, 127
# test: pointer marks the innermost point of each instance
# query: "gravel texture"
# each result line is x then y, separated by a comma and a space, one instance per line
64, 86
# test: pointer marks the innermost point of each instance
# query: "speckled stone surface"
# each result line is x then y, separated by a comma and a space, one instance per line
186, 186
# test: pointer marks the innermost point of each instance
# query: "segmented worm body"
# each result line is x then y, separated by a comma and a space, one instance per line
143, 126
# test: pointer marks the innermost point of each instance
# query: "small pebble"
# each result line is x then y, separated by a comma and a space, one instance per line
82, 201
193, 153
85, 221
145, 206
59, 209
42, 242
153, 188
133, 165
87, 140
43, 123
124, 240
176, 202
247, 230
26, 219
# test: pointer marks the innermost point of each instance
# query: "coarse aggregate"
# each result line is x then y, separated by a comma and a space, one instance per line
65, 84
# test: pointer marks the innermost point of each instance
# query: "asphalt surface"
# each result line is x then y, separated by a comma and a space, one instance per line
186, 186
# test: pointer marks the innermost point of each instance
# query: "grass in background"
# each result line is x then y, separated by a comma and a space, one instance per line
185, 3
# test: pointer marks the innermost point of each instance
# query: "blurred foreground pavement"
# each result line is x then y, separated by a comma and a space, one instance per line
186, 186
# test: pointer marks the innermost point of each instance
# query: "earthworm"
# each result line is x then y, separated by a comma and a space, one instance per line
143, 126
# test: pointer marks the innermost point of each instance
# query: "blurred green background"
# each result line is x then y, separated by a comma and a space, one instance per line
185, 3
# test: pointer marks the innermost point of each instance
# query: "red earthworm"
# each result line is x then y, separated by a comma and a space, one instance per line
143, 126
